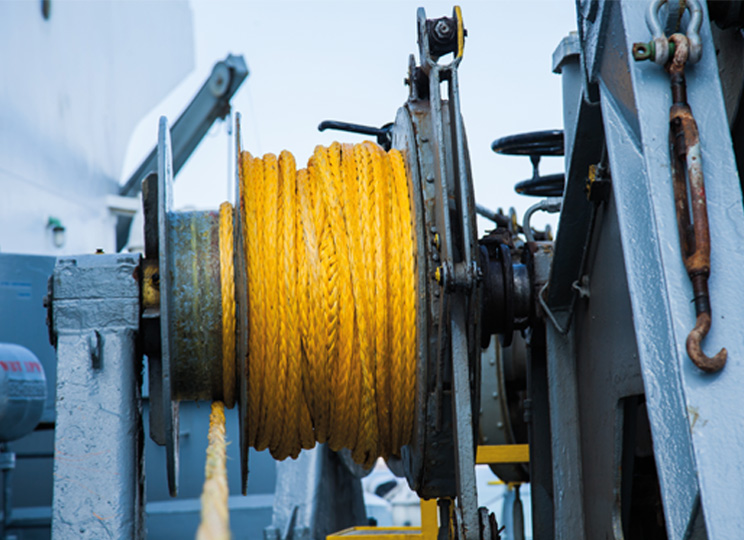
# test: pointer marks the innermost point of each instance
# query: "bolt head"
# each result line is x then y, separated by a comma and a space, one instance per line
442, 29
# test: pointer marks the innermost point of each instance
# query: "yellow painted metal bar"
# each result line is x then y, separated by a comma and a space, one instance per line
377, 533
428, 530
429, 520
506, 453
460, 32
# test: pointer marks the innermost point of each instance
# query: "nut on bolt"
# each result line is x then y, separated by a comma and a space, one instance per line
438, 274
647, 51
644, 51
442, 30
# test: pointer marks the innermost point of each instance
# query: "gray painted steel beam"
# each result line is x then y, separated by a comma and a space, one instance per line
98, 480
657, 349
696, 419
316, 495
568, 500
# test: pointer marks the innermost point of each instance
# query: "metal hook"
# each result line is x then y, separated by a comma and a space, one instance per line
695, 351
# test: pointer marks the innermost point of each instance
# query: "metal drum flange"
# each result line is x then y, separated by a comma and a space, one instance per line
165, 203
428, 129
241, 310
190, 305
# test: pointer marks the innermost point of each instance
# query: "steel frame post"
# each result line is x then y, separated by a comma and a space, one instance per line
696, 418
99, 461
540, 440
316, 495
568, 500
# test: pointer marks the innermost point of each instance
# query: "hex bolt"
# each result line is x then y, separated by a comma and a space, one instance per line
442, 30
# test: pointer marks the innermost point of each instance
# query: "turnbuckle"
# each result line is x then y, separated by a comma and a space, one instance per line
694, 237
691, 208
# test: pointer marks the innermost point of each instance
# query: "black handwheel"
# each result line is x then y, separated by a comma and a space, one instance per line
534, 143
550, 185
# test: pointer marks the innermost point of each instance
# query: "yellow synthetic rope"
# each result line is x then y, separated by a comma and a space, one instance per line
227, 284
215, 519
330, 253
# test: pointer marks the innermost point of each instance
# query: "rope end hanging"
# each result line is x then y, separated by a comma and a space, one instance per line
215, 518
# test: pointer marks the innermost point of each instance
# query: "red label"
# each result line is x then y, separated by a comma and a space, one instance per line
32, 367
14, 366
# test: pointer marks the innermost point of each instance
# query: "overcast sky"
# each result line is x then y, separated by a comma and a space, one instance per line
311, 61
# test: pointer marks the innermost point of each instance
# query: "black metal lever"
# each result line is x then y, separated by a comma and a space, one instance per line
383, 134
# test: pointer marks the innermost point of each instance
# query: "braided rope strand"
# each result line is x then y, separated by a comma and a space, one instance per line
227, 285
215, 518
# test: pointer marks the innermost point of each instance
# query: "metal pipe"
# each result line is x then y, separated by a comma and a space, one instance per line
499, 219
550, 205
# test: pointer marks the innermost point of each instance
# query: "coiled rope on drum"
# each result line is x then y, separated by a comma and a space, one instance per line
330, 254
332, 310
